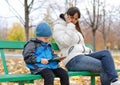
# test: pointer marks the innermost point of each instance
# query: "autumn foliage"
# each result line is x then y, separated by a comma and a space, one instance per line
16, 32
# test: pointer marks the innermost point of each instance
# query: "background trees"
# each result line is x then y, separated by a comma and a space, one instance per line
16, 32
99, 22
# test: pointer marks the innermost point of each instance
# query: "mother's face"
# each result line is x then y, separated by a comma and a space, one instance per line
74, 19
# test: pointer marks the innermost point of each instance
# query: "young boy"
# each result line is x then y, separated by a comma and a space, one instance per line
37, 53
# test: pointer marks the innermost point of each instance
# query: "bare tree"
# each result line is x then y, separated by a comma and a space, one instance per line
28, 8
104, 32
93, 19
25, 21
106, 26
118, 26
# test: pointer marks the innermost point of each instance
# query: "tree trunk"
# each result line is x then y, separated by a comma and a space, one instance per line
94, 41
26, 20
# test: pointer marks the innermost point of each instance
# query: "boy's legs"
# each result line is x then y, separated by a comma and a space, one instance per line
48, 76
63, 75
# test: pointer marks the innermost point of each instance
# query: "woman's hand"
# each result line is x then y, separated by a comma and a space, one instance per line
68, 19
44, 61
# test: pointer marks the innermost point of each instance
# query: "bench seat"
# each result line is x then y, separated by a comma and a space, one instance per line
23, 77
18, 77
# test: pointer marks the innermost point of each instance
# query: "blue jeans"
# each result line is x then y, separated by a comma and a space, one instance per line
100, 61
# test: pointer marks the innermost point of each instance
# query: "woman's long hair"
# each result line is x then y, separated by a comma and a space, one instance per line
72, 11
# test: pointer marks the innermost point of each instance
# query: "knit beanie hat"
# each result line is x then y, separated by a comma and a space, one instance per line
43, 29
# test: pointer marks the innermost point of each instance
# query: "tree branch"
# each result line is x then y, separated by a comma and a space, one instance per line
18, 15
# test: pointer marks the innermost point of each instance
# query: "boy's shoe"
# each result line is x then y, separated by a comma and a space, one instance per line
116, 82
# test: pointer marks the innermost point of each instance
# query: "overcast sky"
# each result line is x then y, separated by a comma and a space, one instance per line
6, 16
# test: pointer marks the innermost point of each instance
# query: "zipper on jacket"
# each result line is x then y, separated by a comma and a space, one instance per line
79, 39
70, 49
83, 49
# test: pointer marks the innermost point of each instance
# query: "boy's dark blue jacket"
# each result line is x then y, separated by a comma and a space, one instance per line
34, 50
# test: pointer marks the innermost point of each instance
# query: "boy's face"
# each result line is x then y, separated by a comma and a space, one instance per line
44, 39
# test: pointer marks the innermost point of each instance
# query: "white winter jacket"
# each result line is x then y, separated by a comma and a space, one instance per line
69, 40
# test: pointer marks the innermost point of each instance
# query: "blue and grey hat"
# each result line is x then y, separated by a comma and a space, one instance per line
43, 29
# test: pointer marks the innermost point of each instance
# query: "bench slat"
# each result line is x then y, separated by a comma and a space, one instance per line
18, 77
11, 44
82, 73
4, 61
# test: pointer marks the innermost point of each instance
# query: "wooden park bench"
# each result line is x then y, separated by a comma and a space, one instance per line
29, 78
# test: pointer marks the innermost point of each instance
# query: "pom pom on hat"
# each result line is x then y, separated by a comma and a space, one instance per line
43, 29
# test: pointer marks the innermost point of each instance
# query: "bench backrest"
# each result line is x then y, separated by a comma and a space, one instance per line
8, 45
14, 45
18, 45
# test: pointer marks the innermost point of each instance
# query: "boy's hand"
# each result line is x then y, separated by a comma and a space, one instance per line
62, 58
44, 61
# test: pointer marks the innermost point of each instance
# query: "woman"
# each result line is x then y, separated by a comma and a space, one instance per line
67, 34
